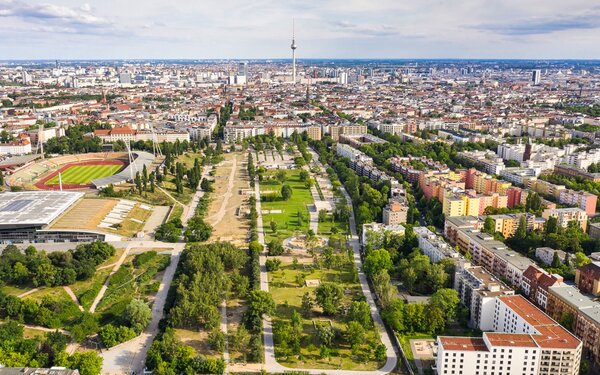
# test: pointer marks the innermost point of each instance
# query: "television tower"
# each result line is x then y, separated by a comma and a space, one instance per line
294, 51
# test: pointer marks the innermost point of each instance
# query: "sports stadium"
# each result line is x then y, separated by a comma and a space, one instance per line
81, 171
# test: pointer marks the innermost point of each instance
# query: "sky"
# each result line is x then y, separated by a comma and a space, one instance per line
257, 29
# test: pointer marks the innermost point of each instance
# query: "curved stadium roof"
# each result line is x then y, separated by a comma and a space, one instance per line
142, 158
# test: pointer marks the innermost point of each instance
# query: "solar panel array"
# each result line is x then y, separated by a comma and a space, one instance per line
37, 208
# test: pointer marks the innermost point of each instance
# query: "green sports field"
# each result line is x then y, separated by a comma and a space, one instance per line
84, 174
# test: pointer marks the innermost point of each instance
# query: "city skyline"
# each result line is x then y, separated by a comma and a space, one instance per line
64, 29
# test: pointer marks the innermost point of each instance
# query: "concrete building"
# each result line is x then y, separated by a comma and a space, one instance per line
433, 246
582, 199
477, 290
546, 255
336, 130
565, 215
395, 213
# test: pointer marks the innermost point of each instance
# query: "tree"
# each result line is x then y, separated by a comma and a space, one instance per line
241, 339
275, 248
303, 175
86, 326
376, 261
329, 297
273, 226
281, 176
556, 263
551, 225
88, 363
137, 315
286, 192
360, 312
489, 225
447, 300
325, 334
307, 304
566, 320
393, 315
355, 333
580, 260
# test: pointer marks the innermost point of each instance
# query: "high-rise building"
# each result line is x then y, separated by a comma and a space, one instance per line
536, 76
125, 78
243, 69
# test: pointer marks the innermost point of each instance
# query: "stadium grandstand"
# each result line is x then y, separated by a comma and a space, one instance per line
141, 158
25, 217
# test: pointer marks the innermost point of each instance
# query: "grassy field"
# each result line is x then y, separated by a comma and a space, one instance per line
84, 174
288, 220
135, 279
287, 289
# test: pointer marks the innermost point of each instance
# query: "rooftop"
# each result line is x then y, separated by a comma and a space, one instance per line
463, 343
34, 207
510, 339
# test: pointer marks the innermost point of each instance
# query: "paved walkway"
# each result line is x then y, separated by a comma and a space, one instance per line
271, 363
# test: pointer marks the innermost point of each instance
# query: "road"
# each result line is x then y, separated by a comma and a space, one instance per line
271, 363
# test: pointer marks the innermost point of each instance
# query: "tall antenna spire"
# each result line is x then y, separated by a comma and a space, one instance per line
293, 51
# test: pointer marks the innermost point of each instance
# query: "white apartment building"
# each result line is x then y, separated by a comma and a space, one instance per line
477, 290
433, 246
526, 342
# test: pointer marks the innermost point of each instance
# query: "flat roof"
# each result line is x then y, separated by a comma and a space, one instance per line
463, 343
510, 339
18, 160
37, 208
572, 296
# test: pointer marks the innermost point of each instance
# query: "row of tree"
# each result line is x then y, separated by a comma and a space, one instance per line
56, 268
45, 352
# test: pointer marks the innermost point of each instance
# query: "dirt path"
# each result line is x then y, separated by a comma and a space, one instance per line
73, 297
23, 295
216, 218
105, 286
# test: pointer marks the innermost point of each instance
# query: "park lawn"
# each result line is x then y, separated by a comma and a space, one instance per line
84, 174
198, 340
287, 220
15, 290
188, 158
325, 227
87, 290
288, 295
131, 282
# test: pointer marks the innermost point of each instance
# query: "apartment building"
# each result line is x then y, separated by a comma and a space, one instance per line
336, 130
381, 229
535, 283
587, 278
20, 146
433, 246
477, 290
507, 224
546, 255
566, 215
582, 199
567, 303
488, 161
526, 341
395, 212
493, 255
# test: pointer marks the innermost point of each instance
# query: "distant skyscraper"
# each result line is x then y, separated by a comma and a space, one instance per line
294, 52
125, 78
243, 69
536, 76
